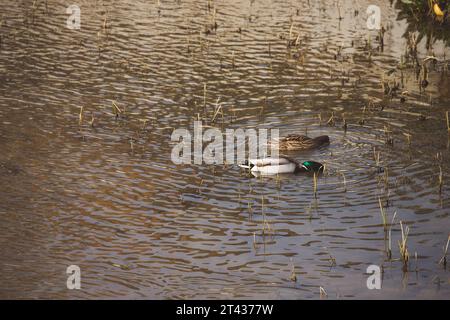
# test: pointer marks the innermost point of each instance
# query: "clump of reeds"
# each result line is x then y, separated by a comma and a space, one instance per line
290, 42
403, 247
386, 226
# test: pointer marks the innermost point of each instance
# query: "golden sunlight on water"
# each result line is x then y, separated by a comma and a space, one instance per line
108, 198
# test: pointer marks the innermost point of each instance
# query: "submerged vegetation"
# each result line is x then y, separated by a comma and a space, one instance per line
427, 21
389, 129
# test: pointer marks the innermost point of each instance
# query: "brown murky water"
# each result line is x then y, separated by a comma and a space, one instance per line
140, 226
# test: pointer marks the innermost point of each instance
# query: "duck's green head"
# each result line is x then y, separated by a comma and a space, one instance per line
312, 166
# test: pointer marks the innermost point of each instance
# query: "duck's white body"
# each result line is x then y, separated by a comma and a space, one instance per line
271, 166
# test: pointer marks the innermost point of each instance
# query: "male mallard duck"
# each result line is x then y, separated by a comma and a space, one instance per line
272, 166
299, 142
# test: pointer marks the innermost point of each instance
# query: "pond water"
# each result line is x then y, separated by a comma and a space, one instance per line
109, 199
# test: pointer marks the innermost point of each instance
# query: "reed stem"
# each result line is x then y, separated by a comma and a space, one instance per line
81, 116
448, 122
383, 213
404, 254
315, 184
443, 260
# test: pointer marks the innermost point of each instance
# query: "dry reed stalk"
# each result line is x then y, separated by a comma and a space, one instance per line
323, 293
443, 260
92, 122
204, 95
293, 276
389, 253
116, 110
81, 116
448, 122
408, 138
218, 109
315, 184
383, 213
404, 254
331, 121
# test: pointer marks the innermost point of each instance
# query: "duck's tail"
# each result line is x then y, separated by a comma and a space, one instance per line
321, 141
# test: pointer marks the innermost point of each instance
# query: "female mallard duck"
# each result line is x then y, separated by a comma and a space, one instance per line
272, 166
299, 142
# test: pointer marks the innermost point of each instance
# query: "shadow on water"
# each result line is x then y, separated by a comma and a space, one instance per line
422, 19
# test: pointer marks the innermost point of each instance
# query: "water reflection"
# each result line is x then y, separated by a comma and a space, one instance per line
422, 19
140, 226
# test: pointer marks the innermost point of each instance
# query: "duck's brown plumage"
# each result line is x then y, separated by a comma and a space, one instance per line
300, 142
